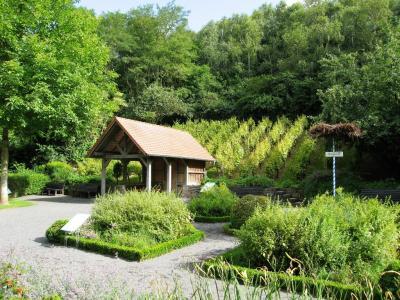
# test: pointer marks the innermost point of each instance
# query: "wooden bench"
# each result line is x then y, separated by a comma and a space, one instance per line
54, 189
88, 189
393, 194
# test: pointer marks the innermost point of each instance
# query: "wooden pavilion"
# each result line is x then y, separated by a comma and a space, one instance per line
171, 159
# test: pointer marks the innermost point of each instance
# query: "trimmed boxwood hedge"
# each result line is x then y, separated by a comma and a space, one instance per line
220, 268
229, 230
211, 219
55, 235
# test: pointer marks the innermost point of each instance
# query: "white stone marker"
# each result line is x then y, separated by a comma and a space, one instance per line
75, 223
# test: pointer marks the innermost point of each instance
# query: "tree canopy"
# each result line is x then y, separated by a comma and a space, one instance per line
55, 89
334, 61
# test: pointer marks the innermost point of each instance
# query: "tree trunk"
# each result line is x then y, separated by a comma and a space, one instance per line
4, 168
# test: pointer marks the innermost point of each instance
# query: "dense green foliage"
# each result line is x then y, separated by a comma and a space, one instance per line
245, 207
27, 182
55, 89
215, 202
250, 148
55, 235
58, 171
390, 280
233, 265
343, 238
256, 180
332, 59
139, 219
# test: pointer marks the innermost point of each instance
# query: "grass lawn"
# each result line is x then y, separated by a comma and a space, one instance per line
17, 203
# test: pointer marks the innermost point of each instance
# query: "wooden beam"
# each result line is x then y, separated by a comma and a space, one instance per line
144, 162
120, 149
148, 175
119, 156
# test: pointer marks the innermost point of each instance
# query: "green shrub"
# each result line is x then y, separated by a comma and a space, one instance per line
390, 280
344, 238
269, 234
58, 171
244, 181
230, 266
158, 216
216, 202
244, 208
27, 182
89, 166
55, 235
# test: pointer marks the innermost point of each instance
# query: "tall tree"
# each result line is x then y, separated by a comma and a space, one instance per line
155, 57
54, 83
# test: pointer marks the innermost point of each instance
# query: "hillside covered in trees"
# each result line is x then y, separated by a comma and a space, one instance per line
330, 60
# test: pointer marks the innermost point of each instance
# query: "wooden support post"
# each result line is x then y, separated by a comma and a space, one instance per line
169, 175
186, 182
125, 171
104, 164
148, 175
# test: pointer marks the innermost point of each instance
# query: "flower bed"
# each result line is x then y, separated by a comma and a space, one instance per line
230, 265
135, 225
55, 235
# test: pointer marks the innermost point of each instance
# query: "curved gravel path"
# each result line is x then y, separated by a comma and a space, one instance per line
22, 233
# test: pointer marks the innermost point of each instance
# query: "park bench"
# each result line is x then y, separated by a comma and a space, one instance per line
87, 189
393, 194
54, 189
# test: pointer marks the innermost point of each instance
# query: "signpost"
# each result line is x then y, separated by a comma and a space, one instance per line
334, 154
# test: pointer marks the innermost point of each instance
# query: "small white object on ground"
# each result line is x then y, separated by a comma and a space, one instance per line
207, 186
75, 223
8, 191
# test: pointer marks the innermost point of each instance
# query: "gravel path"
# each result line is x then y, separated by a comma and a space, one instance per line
22, 233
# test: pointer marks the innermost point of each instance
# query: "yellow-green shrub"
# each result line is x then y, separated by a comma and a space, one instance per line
343, 238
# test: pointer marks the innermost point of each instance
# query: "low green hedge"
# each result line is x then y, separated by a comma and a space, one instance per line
211, 219
55, 235
221, 268
27, 182
229, 230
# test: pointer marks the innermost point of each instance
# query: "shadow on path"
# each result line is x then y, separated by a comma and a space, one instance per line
63, 199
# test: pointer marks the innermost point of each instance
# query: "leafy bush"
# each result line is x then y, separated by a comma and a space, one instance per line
54, 231
245, 181
216, 202
55, 235
343, 238
244, 208
232, 266
149, 215
89, 167
58, 171
27, 182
